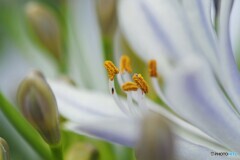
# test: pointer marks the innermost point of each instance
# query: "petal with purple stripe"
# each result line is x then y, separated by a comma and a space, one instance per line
195, 96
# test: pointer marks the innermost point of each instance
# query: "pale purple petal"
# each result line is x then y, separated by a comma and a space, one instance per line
88, 56
82, 105
234, 27
198, 16
195, 96
126, 132
189, 151
152, 35
229, 77
120, 131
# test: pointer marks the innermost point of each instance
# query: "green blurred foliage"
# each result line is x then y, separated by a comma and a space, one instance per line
107, 150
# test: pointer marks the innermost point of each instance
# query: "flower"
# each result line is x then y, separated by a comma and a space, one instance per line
196, 62
201, 80
96, 114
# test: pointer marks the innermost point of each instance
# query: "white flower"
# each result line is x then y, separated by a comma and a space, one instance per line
201, 80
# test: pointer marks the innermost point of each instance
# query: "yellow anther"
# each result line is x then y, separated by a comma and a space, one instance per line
129, 86
152, 67
141, 83
125, 64
111, 69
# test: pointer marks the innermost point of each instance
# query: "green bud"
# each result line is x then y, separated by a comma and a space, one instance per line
156, 141
4, 150
38, 105
45, 26
106, 10
82, 151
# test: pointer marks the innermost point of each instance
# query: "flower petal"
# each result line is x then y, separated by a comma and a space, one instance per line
86, 107
198, 16
88, 38
195, 96
184, 129
121, 131
230, 77
83, 106
143, 36
172, 31
112, 130
234, 27
190, 151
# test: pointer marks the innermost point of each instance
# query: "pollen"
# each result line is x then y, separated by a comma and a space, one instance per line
125, 64
152, 68
111, 69
141, 83
130, 86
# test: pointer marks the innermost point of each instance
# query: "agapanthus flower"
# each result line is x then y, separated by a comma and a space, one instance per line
200, 80
182, 45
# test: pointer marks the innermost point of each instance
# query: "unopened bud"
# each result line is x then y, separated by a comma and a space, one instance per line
156, 140
38, 105
4, 150
82, 151
45, 27
107, 15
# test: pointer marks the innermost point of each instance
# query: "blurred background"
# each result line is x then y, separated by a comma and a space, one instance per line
63, 39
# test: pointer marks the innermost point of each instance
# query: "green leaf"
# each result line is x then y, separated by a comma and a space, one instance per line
27, 132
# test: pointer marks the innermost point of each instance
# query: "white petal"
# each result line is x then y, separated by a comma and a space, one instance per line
189, 151
11, 75
184, 129
14, 66
88, 39
168, 23
140, 34
230, 77
84, 106
126, 132
234, 27
198, 16
195, 96
121, 131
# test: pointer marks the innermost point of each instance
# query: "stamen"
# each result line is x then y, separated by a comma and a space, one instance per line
141, 100
119, 103
132, 108
125, 64
138, 79
152, 66
111, 69
129, 86
159, 92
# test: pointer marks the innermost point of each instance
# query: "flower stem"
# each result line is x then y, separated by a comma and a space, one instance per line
57, 152
24, 128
